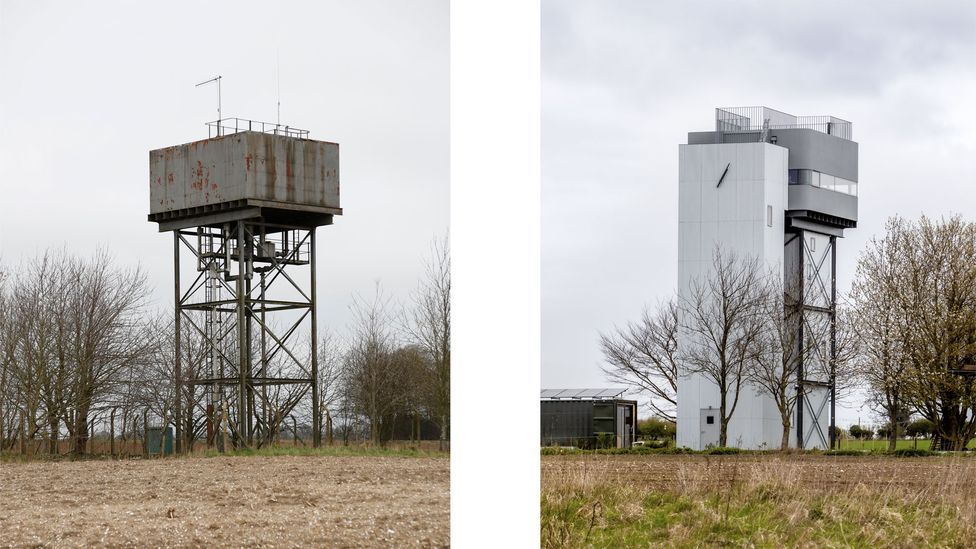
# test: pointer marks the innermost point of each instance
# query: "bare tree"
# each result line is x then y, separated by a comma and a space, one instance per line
9, 415
847, 346
374, 383
722, 315
644, 356
39, 377
330, 380
429, 327
79, 350
69, 326
413, 365
774, 370
104, 316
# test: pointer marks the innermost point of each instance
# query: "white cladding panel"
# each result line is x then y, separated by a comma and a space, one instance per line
734, 216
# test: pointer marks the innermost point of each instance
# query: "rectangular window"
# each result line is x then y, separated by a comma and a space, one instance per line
710, 420
813, 244
822, 180
769, 215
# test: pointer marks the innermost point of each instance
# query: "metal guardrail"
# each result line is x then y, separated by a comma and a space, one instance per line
752, 119
228, 126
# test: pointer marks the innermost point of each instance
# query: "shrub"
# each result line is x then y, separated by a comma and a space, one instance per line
859, 432
722, 451
605, 440
849, 452
656, 428
919, 428
912, 452
560, 451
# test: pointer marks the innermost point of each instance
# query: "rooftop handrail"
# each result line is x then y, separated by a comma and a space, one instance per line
228, 126
751, 119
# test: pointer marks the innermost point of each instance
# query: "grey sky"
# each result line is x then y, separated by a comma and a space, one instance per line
623, 83
86, 92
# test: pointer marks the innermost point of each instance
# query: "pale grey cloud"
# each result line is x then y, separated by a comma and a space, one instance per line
623, 83
86, 90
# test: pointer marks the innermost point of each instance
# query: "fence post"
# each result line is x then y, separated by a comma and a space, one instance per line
111, 433
91, 436
145, 433
328, 426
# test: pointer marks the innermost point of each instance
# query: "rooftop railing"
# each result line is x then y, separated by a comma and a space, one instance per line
228, 126
758, 119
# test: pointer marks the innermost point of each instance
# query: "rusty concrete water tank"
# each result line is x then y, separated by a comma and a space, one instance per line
277, 176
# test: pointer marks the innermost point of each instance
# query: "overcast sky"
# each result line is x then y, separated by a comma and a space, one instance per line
623, 82
86, 92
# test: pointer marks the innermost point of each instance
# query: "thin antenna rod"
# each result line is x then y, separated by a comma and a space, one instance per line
219, 115
278, 58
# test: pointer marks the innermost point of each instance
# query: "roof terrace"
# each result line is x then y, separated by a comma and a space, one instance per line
752, 119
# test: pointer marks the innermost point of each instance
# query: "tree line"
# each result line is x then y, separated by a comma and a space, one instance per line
82, 352
905, 334
918, 428
914, 299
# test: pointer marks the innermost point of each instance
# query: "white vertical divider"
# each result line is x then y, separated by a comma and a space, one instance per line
495, 219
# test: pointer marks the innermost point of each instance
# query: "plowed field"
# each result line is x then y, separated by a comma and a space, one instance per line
280, 501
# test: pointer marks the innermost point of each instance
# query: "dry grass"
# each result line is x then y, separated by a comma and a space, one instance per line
764, 501
254, 501
100, 447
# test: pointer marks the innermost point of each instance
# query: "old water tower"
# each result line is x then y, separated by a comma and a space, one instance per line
243, 207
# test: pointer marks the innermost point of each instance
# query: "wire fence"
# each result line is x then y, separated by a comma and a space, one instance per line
140, 441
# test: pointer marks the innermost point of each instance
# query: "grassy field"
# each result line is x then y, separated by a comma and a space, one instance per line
758, 501
923, 444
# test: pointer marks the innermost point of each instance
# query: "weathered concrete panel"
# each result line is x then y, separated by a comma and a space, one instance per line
246, 165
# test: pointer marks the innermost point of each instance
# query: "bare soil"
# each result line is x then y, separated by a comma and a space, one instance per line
256, 501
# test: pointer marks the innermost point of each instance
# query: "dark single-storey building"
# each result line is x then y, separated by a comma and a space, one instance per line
588, 418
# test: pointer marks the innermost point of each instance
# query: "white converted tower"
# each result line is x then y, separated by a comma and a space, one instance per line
780, 188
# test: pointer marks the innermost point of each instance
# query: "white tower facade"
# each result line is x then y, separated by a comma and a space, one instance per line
781, 189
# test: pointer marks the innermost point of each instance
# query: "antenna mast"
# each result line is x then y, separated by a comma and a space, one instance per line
278, 69
219, 115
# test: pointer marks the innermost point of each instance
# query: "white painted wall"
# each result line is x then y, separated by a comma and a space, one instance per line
734, 216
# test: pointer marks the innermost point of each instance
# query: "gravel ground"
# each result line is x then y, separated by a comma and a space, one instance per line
282, 501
